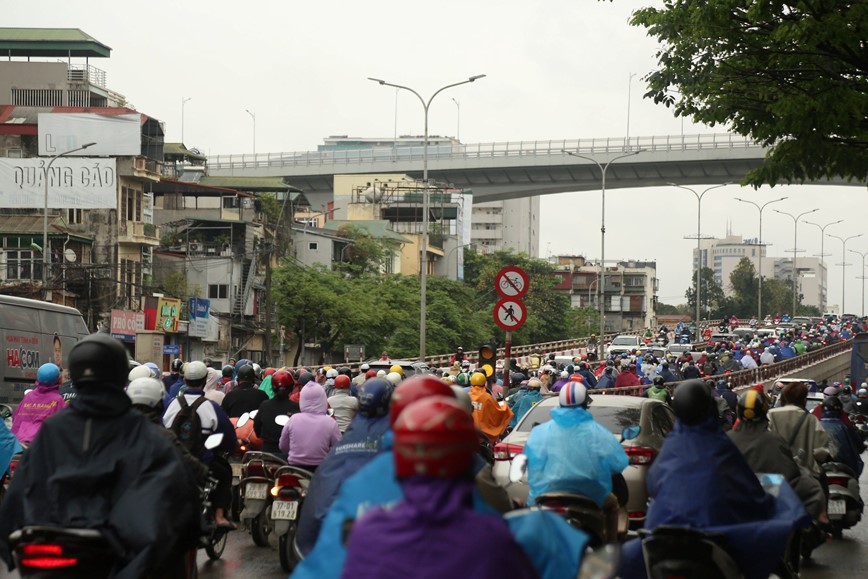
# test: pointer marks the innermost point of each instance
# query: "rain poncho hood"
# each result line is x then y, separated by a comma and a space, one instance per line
527, 402
313, 400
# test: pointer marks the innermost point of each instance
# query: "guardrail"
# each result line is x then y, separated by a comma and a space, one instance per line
460, 151
744, 379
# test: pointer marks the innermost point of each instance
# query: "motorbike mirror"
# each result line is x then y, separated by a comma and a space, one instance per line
281, 419
242, 420
214, 440
518, 468
631, 432
28, 391
254, 413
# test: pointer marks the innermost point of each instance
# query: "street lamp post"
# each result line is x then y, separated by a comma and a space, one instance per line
629, 90
601, 286
45, 252
844, 264
699, 197
253, 116
795, 219
822, 251
457, 120
423, 250
759, 315
864, 254
183, 102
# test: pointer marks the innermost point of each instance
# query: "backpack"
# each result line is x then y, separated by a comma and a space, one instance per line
187, 425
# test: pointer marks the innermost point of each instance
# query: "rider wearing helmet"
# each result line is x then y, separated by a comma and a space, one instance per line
99, 465
394, 377
177, 385
345, 406
311, 433
245, 397
361, 443
848, 444
435, 444
701, 480
491, 418
264, 424
174, 375
571, 452
527, 401
806, 437
38, 404
658, 391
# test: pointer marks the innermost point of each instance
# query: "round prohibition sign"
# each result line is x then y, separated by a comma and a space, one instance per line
511, 282
510, 314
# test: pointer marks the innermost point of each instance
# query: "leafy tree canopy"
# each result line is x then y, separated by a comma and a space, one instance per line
791, 75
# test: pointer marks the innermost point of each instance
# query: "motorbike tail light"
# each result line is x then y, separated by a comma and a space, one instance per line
555, 506
41, 549
242, 448
255, 469
504, 451
287, 480
640, 455
45, 556
841, 481
636, 514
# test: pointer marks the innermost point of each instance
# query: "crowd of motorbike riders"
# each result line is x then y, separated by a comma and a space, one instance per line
401, 465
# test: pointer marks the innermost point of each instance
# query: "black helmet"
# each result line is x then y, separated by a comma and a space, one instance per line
693, 402
246, 374
753, 405
99, 359
345, 371
832, 405
177, 364
228, 371
659, 381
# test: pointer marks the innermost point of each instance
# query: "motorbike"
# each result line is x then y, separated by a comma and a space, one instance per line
861, 423
247, 440
844, 505
290, 487
258, 473
686, 552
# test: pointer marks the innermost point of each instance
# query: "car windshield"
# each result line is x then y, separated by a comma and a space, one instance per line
613, 418
625, 341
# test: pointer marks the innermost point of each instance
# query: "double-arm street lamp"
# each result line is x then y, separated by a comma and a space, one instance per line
423, 250
699, 197
759, 315
844, 264
822, 256
795, 219
253, 116
602, 285
46, 254
864, 254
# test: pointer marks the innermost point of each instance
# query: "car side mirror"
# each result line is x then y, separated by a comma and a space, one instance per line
518, 468
281, 419
631, 432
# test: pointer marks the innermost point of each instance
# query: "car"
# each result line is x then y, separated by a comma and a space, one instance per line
410, 367
814, 398
624, 344
615, 413
724, 337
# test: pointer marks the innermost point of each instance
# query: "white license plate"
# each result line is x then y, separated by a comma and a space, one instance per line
255, 491
236, 469
837, 507
284, 510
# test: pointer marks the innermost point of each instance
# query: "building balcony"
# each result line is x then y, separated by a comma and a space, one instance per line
138, 233
140, 167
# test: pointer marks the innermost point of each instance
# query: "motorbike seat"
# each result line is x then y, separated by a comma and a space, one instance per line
841, 467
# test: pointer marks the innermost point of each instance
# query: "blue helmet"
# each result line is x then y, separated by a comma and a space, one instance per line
241, 363
374, 397
48, 374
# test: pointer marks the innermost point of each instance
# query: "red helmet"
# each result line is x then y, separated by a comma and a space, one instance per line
269, 371
413, 389
434, 437
370, 374
282, 379
576, 378
342, 381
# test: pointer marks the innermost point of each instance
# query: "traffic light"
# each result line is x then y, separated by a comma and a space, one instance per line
487, 359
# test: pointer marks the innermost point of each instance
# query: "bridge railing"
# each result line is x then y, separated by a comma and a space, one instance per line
536, 148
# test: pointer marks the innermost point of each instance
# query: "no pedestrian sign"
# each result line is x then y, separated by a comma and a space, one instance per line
511, 282
510, 314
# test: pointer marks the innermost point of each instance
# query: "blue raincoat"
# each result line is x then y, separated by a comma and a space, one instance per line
526, 403
573, 453
701, 480
360, 444
9, 447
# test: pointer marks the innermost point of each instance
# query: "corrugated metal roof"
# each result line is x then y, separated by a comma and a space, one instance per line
378, 228
33, 225
259, 184
181, 150
46, 42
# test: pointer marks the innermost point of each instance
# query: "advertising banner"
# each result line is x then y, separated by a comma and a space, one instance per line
168, 314
112, 135
72, 183
199, 310
125, 324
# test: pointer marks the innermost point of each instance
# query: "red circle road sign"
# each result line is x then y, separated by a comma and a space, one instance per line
511, 282
510, 314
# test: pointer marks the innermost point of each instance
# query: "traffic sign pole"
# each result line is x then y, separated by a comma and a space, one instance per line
507, 352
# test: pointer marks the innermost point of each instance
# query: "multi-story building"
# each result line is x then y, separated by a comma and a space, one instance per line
509, 224
629, 290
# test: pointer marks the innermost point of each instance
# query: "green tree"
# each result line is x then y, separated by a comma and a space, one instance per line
366, 254
583, 321
791, 75
667, 310
745, 290
711, 297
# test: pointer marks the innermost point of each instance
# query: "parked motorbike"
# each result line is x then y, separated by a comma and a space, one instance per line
845, 505
258, 472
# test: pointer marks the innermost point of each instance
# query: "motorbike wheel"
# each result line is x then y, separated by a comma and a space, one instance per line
235, 505
259, 529
288, 560
216, 544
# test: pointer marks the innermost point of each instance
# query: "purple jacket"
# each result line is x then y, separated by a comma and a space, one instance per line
34, 409
556, 387
311, 433
427, 535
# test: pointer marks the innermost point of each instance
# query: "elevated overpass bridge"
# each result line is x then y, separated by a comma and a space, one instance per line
509, 170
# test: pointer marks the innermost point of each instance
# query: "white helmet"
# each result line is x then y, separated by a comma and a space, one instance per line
565, 374
140, 372
195, 370
331, 373
364, 367
146, 391
394, 378
381, 373
257, 369
573, 394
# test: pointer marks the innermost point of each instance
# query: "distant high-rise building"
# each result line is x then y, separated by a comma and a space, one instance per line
510, 224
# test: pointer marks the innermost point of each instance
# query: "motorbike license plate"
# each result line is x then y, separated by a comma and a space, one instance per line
255, 491
236, 469
837, 507
284, 510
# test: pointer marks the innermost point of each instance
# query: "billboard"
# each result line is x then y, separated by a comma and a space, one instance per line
125, 324
119, 135
72, 183
168, 313
199, 313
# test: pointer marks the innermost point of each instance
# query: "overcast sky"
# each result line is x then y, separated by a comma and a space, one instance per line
556, 69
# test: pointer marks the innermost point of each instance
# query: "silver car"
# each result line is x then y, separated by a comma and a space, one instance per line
615, 413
